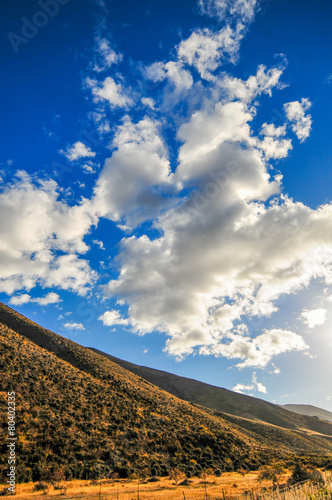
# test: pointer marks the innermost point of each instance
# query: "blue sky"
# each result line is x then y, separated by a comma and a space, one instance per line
165, 185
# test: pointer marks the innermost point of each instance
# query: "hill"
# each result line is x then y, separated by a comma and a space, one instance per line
80, 413
77, 411
246, 411
312, 411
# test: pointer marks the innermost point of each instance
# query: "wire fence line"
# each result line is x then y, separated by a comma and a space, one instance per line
303, 490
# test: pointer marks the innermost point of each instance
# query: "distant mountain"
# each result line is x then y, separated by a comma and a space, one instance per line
248, 412
310, 410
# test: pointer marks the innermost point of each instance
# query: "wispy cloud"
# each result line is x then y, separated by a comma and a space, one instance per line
77, 151
74, 326
301, 122
254, 386
50, 298
110, 91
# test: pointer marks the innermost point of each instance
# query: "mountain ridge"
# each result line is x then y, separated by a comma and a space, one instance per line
79, 412
310, 410
221, 399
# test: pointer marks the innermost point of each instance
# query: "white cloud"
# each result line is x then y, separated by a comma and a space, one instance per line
273, 145
106, 56
259, 351
110, 318
296, 114
270, 130
226, 243
261, 83
43, 237
149, 102
77, 151
261, 388
20, 299
242, 10
99, 243
224, 254
173, 71
242, 387
109, 91
89, 167
181, 78
314, 317
74, 326
131, 182
254, 386
50, 298
204, 49
274, 148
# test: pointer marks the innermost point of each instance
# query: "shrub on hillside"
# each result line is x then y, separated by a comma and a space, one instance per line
303, 473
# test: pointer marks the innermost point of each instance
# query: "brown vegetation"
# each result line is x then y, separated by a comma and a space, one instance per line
80, 416
79, 412
230, 485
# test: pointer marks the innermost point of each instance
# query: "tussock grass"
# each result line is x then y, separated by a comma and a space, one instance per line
230, 486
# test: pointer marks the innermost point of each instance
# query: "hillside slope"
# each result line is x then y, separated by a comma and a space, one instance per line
226, 401
312, 411
77, 410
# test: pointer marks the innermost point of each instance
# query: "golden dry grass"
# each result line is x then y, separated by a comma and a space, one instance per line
229, 485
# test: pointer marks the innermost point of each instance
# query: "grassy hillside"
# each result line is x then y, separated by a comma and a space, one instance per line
253, 413
79, 411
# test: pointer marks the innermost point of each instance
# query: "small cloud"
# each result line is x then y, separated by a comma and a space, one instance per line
24, 298
74, 326
270, 130
261, 388
50, 298
110, 318
296, 114
109, 91
257, 386
149, 102
328, 398
77, 151
314, 317
106, 56
241, 387
99, 243
88, 167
